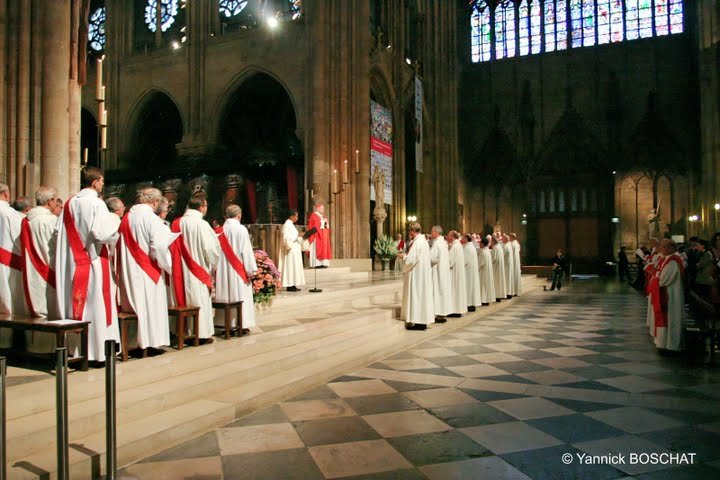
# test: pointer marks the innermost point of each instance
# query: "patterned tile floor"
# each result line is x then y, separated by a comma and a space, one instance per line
505, 397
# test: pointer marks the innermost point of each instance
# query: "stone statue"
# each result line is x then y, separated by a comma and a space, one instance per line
379, 183
653, 223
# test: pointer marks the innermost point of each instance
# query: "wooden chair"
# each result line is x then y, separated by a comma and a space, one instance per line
182, 314
228, 308
125, 320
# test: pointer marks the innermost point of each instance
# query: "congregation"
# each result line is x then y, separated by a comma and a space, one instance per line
448, 276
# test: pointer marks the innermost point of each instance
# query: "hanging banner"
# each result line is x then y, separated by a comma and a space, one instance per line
418, 124
381, 151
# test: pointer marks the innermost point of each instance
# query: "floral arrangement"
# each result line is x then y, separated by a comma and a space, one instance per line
385, 247
266, 281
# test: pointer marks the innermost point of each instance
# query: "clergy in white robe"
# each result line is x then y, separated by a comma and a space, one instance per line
671, 301
233, 280
509, 257
417, 306
487, 281
290, 261
195, 254
458, 289
143, 257
472, 274
12, 300
649, 270
440, 264
517, 264
85, 286
498, 265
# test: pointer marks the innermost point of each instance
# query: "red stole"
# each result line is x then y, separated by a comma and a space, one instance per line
29, 252
659, 294
649, 270
81, 277
232, 259
181, 254
147, 264
9, 259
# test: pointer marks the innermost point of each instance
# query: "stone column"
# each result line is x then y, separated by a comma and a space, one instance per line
22, 137
56, 65
74, 106
3, 65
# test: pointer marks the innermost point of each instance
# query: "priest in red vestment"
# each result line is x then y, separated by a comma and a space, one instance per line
320, 249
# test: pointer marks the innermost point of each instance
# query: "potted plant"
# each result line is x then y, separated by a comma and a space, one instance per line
386, 250
266, 281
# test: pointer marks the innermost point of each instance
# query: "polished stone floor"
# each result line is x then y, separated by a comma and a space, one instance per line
504, 397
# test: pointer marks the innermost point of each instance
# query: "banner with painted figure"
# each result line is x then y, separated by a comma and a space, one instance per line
381, 150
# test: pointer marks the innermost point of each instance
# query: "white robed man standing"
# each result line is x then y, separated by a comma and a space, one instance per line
456, 257
85, 286
233, 280
472, 273
509, 266
440, 265
290, 261
518, 266
143, 256
650, 269
417, 306
195, 254
498, 265
668, 298
487, 281
11, 292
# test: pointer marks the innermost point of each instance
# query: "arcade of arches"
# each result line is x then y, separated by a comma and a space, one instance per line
569, 147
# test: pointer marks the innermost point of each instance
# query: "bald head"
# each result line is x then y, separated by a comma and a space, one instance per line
233, 211
4, 192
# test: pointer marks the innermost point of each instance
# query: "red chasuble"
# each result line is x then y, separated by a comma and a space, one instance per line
659, 294
323, 251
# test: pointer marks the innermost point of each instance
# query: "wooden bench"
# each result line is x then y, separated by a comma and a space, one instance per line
228, 308
703, 324
59, 327
125, 320
182, 314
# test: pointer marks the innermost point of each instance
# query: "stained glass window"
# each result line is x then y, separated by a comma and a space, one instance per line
603, 21
510, 33
96, 30
561, 24
168, 11
576, 22
505, 29
676, 16
631, 19
524, 28
295, 9
549, 25
661, 17
230, 8
481, 37
588, 20
616, 21
645, 14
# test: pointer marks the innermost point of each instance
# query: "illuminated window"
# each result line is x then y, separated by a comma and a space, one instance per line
676, 16
96, 30
588, 22
481, 35
549, 25
535, 27
230, 8
505, 29
561, 24
168, 10
662, 25
524, 28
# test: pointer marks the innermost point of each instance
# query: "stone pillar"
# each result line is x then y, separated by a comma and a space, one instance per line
56, 65
3, 76
22, 137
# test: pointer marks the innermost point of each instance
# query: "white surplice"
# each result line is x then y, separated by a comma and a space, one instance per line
290, 261
417, 305
138, 292
498, 264
487, 280
203, 246
12, 298
440, 276
518, 268
472, 275
650, 266
458, 299
671, 337
229, 286
509, 269
97, 228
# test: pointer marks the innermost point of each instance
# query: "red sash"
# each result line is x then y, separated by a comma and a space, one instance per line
181, 254
232, 259
81, 277
29, 252
148, 265
11, 260
659, 294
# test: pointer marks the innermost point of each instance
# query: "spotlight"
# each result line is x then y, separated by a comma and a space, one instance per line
717, 206
175, 44
615, 220
411, 218
272, 22
408, 61
183, 39
523, 222
614, 172
524, 215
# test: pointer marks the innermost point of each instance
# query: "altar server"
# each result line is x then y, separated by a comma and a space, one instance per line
649, 270
472, 273
498, 265
456, 257
518, 266
487, 281
440, 265
417, 306
320, 249
290, 261
668, 299
11, 294
509, 253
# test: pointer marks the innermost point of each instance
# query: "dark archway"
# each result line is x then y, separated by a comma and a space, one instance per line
257, 139
157, 128
88, 137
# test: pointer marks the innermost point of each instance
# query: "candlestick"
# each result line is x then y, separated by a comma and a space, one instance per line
345, 173
85, 156
103, 119
357, 161
334, 181
101, 112
99, 77
103, 138
101, 97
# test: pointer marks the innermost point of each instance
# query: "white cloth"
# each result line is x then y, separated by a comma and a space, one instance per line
440, 276
12, 298
229, 286
458, 301
671, 337
314, 262
417, 305
518, 268
138, 292
472, 275
509, 269
487, 280
498, 264
202, 243
290, 261
97, 228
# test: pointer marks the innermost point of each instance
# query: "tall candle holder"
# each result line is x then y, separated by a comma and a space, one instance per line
102, 113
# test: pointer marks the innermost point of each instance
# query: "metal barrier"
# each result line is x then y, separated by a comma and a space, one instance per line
3, 448
110, 420
61, 410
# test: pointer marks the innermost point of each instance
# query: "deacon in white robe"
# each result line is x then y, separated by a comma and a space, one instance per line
509, 256
458, 290
487, 281
86, 231
192, 280
670, 336
517, 264
440, 264
236, 256
472, 274
417, 306
498, 264
290, 261
143, 257
12, 300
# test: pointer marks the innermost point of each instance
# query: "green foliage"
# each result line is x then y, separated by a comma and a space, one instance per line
385, 248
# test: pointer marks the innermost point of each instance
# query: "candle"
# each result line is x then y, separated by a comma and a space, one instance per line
99, 77
357, 161
345, 173
102, 93
103, 120
334, 182
103, 138
101, 113
85, 156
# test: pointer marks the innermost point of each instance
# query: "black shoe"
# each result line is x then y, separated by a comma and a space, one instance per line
471, 308
455, 315
509, 297
485, 304
206, 341
415, 326
440, 320
293, 289
498, 300
246, 331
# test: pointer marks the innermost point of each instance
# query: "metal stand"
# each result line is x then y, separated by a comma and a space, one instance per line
3, 447
61, 410
110, 421
315, 290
